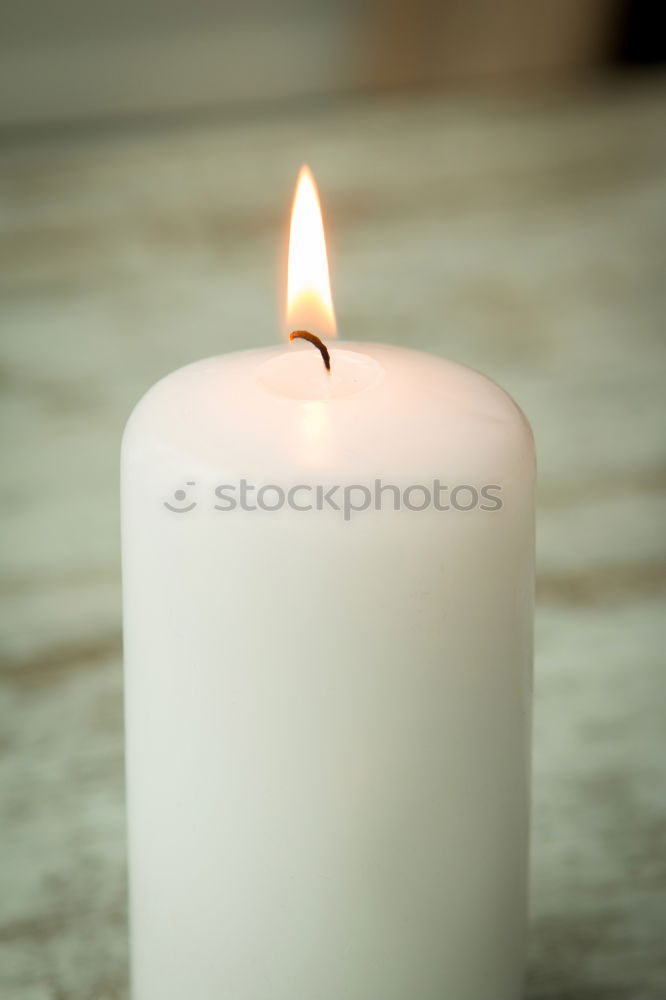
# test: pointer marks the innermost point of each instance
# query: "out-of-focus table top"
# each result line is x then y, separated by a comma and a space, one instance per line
522, 236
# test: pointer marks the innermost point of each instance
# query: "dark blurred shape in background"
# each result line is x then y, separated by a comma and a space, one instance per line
640, 39
77, 60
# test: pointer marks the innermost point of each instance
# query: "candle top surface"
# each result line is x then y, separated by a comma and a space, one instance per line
381, 410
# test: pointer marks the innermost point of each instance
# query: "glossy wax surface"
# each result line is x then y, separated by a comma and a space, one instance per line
327, 717
382, 409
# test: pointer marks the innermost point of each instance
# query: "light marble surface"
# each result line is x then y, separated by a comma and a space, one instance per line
523, 237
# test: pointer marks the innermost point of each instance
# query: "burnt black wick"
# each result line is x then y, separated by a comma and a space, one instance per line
319, 344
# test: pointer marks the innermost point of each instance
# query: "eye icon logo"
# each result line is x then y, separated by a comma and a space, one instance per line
180, 496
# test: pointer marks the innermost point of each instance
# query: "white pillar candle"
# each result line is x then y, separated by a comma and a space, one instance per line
327, 709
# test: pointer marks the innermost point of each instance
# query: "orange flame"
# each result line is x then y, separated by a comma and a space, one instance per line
309, 301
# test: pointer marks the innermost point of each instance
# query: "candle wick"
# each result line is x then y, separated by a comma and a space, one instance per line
319, 344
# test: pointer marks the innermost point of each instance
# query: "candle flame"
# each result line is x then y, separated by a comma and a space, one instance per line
309, 301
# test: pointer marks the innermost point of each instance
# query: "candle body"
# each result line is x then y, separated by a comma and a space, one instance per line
327, 709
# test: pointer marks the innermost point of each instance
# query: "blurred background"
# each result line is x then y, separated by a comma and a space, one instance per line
494, 183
